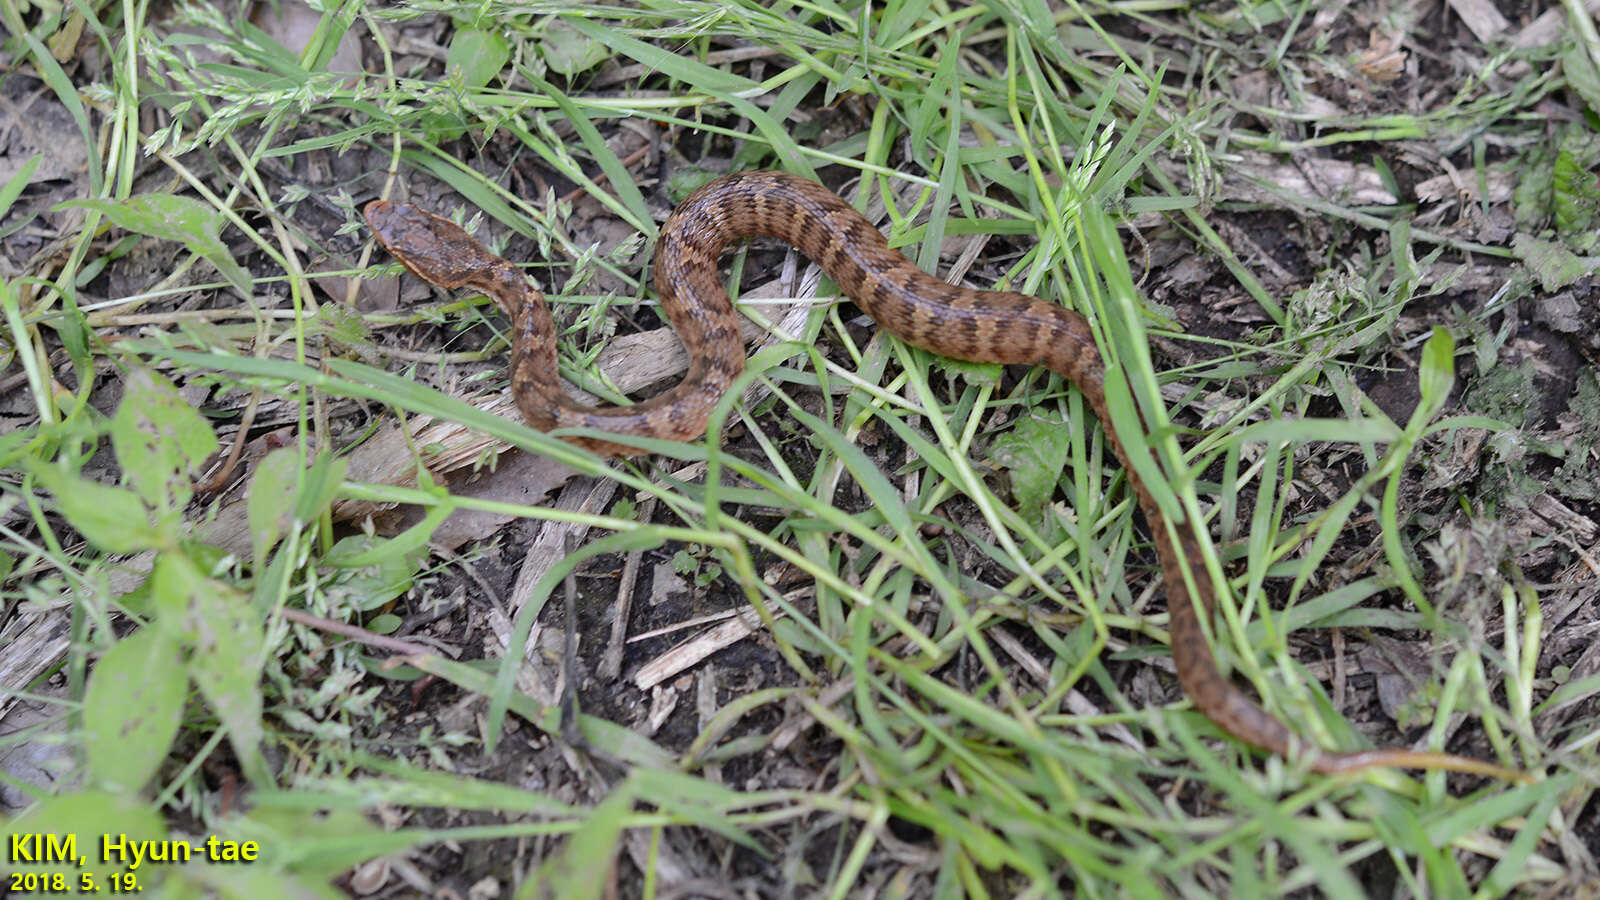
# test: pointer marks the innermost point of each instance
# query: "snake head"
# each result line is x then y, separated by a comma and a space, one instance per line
435, 249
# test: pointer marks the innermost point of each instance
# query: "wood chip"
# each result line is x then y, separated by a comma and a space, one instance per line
1482, 19
697, 648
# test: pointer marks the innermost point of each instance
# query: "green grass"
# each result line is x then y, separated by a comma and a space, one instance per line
979, 648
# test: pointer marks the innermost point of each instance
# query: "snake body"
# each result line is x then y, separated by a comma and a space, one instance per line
953, 321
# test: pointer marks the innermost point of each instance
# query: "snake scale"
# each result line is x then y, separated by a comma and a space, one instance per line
953, 321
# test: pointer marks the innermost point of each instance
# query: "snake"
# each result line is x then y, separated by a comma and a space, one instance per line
949, 320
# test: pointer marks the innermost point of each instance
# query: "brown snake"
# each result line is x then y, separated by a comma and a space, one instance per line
982, 326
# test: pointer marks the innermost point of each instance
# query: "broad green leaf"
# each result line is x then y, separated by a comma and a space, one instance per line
132, 709
111, 518
283, 491
1033, 453
568, 51
226, 665
477, 55
685, 180
173, 218
225, 639
271, 499
1551, 262
972, 372
1582, 74
413, 542
379, 578
159, 439
1576, 199
388, 623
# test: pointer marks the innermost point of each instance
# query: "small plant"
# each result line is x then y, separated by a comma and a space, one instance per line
696, 561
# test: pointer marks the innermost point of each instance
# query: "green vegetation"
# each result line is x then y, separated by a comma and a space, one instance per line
1347, 239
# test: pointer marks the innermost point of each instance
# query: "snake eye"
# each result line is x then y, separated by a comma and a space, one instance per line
433, 248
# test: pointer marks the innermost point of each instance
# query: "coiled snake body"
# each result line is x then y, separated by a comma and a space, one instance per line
982, 326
